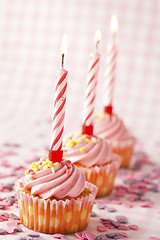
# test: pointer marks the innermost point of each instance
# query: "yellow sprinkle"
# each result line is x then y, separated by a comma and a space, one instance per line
77, 142
50, 164
36, 169
36, 165
33, 164
82, 150
45, 167
88, 140
83, 136
71, 144
26, 172
45, 163
47, 160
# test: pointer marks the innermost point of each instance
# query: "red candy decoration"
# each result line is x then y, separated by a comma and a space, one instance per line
55, 155
87, 129
108, 109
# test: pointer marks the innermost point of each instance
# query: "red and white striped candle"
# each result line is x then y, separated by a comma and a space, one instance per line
55, 152
90, 93
110, 69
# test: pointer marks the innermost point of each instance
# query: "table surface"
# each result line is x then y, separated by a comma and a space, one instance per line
138, 201
30, 39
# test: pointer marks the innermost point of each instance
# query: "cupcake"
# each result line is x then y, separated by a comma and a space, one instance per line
94, 157
112, 129
55, 198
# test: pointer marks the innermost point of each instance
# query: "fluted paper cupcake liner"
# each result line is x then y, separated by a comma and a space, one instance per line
124, 148
103, 176
55, 216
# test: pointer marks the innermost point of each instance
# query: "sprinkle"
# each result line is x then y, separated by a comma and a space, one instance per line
102, 228
94, 140
122, 220
33, 235
52, 169
82, 150
45, 163
57, 235
83, 137
133, 227
115, 224
45, 167
101, 206
88, 235
2, 231
120, 217
88, 140
101, 237
36, 169
146, 204
79, 235
50, 164
111, 235
33, 164
13, 216
123, 234
153, 238
71, 144
111, 209
93, 214
26, 172
123, 227
11, 230
13, 223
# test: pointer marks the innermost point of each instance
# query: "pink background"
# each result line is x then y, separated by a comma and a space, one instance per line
30, 38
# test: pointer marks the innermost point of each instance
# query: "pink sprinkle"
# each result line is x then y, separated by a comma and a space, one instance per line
11, 230
120, 193
57, 235
121, 239
123, 234
133, 227
13, 223
146, 204
127, 205
153, 238
115, 201
88, 235
123, 227
109, 226
102, 228
79, 235
121, 217
132, 198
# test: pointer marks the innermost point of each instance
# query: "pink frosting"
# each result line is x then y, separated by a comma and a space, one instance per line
110, 128
65, 180
87, 150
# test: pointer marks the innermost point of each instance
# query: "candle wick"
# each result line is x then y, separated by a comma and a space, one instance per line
62, 59
97, 44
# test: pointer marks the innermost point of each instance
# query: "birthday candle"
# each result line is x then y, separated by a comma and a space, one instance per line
59, 110
110, 68
91, 88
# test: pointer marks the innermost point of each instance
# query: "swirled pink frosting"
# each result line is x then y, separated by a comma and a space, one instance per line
87, 150
64, 180
110, 128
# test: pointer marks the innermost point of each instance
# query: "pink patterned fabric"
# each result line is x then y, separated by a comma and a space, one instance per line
31, 34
